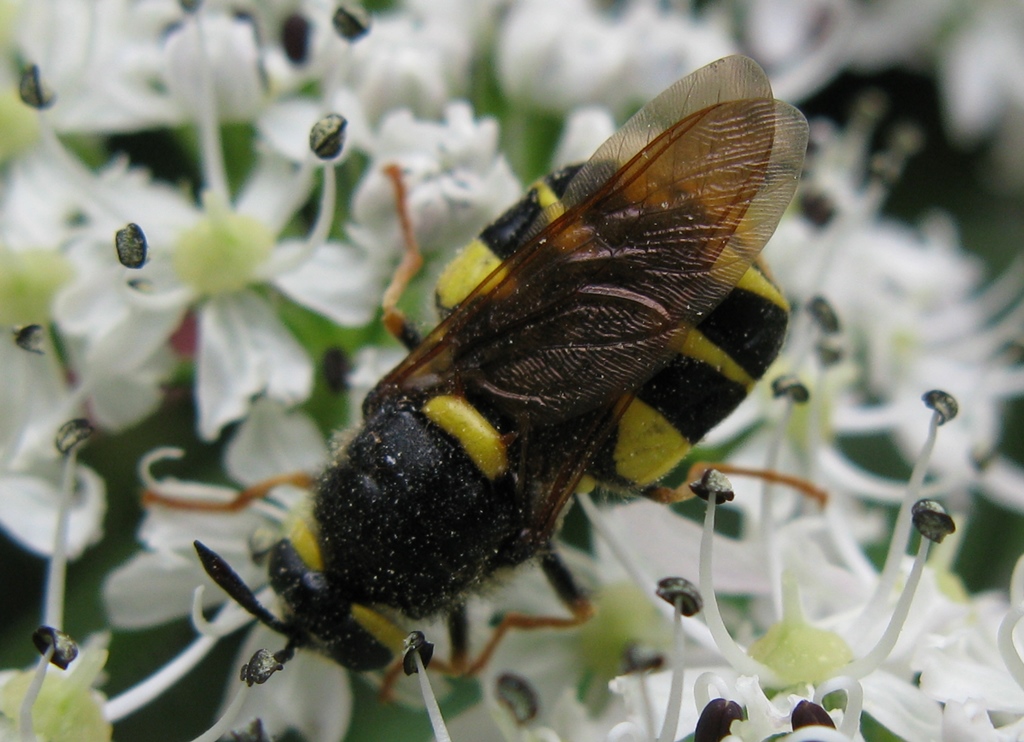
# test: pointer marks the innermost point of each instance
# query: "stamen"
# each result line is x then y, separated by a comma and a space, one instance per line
615, 545
336, 367
214, 629
901, 530
731, 651
295, 33
34, 92
65, 649
873, 659
229, 618
352, 22
808, 714
30, 338
69, 437
795, 393
824, 315
211, 152
715, 720
326, 139
414, 644
850, 724
639, 664
516, 694
131, 246
32, 694
327, 136
905, 140
703, 685
685, 599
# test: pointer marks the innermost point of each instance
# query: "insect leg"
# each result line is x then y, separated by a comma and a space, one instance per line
568, 591
668, 495
241, 500
458, 632
394, 320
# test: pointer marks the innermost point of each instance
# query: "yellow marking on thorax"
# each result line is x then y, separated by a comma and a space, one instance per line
463, 421
380, 628
465, 272
696, 345
303, 537
648, 446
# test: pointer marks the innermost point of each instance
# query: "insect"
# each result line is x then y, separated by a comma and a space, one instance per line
590, 335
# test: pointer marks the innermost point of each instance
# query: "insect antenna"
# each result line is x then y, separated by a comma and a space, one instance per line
231, 583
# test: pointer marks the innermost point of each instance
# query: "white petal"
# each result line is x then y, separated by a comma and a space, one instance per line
244, 350
967, 721
153, 588
338, 281
28, 511
585, 130
901, 707
311, 695
273, 441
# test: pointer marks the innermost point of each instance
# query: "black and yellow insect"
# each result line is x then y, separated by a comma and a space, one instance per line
592, 334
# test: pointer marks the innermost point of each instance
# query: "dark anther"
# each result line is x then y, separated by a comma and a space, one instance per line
327, 136
932, 521
824, 315
130, 242
72, 433
713, 482
518, 696
792, 387
258, 670
819, 208
716, 719
336, 368
295, 38
681, 590
29, 338
65, 649
33, 91
417, 643
943, 403
636, 659
807, 714
351, 22
252, 733
190, 6
829, 351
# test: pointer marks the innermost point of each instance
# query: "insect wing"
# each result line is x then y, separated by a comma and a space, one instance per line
652, 233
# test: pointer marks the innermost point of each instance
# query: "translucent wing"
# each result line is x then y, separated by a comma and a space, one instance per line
652, 233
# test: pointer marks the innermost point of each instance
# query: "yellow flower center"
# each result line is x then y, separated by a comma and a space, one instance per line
28, 281
223, 251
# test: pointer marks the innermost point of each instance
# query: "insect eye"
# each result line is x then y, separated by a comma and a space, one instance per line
314, 582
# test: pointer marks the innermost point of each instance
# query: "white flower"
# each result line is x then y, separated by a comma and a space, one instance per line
102, 60
455, 178
561, 55
409, 62
155, 586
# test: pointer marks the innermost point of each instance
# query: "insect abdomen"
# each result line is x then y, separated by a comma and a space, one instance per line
714, 370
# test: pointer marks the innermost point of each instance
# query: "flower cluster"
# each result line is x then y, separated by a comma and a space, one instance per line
199, 217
